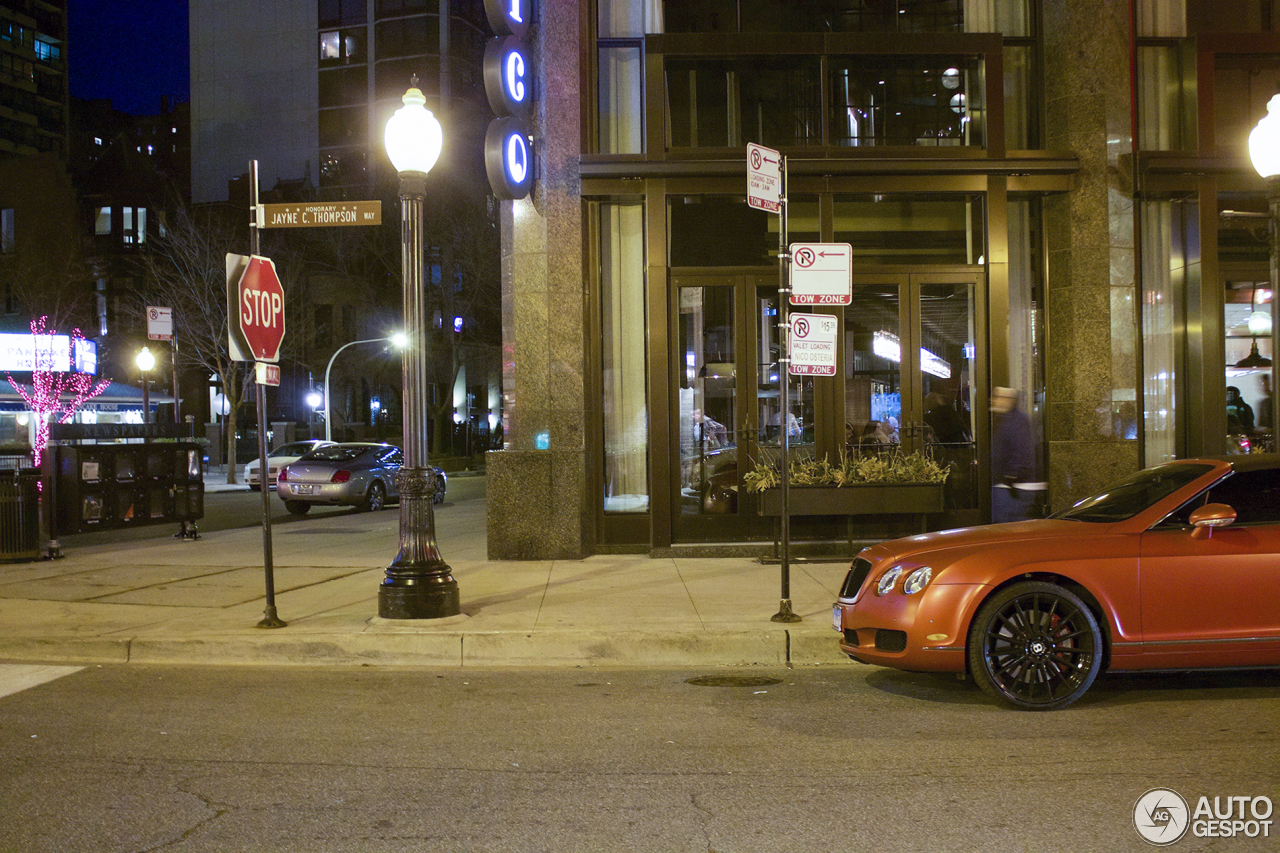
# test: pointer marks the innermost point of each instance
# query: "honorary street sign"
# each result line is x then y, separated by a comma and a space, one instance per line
764, 178
319, 213
813, 344
821, 274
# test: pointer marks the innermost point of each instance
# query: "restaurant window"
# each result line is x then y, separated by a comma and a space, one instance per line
726, 102
719, 231
907, 100
887, 229
624, 330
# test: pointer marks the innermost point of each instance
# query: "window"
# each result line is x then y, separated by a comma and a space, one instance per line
339, 47
621, 105
6, 230
730, 101
1254, 495
623, 333
102, 221
135, 226
906, 100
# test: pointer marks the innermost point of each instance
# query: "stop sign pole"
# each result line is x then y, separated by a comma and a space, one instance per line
260, 316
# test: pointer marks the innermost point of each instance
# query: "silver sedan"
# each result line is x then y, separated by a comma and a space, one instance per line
360, 474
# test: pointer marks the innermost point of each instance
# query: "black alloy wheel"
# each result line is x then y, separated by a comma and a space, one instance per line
377, 497
1035, 646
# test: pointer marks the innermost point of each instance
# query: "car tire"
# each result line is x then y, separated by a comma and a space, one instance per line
297, 507
1035, 646
376, 499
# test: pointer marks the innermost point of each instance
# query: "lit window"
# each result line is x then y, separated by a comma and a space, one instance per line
330, 46
102, 221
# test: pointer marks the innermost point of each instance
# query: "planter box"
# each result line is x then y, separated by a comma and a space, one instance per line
870, 499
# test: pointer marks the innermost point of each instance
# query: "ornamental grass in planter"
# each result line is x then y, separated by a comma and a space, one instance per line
893, 467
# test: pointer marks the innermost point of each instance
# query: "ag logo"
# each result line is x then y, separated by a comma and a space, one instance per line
1161, 816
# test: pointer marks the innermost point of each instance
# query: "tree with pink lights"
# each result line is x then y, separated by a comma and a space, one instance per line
53, 393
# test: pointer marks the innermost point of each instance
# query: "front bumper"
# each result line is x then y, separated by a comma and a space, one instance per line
925, 632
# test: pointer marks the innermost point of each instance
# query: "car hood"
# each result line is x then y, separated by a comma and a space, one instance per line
947, 546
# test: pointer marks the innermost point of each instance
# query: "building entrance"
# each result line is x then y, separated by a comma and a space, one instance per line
908, 381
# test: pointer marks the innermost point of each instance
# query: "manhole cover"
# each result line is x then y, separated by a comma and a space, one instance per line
732, 681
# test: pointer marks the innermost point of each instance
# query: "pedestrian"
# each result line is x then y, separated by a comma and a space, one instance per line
1012, 459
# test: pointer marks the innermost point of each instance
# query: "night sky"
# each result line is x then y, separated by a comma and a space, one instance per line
132, 53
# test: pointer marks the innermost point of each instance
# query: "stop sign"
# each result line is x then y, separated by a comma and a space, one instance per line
260, 307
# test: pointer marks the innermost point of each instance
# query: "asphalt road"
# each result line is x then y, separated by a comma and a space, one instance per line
133, 758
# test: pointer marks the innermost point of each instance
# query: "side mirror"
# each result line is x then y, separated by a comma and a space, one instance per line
1209, 517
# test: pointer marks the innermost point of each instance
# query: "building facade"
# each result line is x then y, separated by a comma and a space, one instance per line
33, 78
1048, 195
305, 88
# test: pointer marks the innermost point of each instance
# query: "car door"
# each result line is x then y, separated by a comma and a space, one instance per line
1214, 600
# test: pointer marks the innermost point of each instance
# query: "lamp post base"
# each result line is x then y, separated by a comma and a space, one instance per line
419, 584
429, 600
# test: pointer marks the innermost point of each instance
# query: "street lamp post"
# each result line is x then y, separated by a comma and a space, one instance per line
1264, 151
328, 432
146, 361
418, 584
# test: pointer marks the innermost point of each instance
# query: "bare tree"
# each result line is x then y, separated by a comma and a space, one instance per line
186, 270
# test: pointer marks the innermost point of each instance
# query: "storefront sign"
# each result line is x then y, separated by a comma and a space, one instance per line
508, 82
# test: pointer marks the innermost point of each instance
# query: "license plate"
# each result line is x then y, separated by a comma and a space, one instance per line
836, 613
304, 490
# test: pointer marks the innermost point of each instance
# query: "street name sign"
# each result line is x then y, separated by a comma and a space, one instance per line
813, 344
319, 213
764, 178
255, 301
821, 274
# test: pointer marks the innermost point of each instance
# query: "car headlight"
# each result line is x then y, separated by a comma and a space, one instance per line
917, 580
888, 580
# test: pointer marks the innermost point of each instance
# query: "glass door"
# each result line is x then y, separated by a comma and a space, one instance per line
726, 396
911, 378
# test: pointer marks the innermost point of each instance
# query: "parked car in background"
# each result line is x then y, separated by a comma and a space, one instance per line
359, 474
277, 459
1175, 567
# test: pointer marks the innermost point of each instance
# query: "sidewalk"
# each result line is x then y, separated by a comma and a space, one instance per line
198, 602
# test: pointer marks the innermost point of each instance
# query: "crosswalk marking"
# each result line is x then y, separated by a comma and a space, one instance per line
15, 678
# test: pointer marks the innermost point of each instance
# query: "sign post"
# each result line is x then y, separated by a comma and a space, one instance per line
160, 328
256, 311
767, 190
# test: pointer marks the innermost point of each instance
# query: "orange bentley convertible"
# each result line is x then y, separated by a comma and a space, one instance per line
1176, 567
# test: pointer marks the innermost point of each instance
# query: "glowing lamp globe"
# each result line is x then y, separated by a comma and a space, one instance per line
1264, 141
145, 360
413, 136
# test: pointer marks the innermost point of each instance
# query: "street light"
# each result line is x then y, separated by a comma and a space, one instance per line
418, 584
315, 400
146, 361
397, 339
1264, 151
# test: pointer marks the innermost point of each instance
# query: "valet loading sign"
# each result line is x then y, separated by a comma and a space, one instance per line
813, 344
